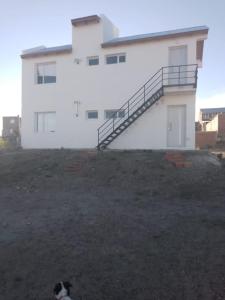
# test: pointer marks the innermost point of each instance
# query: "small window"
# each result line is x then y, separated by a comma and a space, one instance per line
115, 59
46, 73
109, 114
113, 113
111, 60
44, 121
93, 61
12, 121
92, 114
121, 113
122, 58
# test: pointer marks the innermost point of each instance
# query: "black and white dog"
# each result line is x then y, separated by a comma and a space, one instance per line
62, 290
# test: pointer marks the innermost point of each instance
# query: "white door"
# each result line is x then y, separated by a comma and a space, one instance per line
176, 126
177, 57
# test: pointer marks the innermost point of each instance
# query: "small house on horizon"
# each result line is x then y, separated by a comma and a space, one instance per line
10, 126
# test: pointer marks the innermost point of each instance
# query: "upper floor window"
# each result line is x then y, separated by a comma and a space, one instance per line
44, 121
93, 61
46, 73
115, 59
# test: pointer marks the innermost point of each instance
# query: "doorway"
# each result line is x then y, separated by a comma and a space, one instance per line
178, 57
176, 126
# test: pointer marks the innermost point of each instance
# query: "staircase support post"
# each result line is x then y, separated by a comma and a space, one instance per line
144, 93
196, 77
98, 137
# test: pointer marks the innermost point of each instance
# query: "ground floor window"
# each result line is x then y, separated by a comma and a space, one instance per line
114, 113
92, 114
44, 121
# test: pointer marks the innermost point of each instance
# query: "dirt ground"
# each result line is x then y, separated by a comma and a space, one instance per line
117, 225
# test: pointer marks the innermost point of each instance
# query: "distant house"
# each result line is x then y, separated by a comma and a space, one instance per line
135, 92
207, 114
212, 127
11, 126
217, 124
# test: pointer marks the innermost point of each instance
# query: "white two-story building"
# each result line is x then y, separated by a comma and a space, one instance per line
135, 92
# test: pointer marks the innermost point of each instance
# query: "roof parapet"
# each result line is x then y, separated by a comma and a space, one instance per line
42, 51
156, 36
86, 20
35, 49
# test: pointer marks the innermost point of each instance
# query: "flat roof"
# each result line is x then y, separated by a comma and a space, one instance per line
30, 53
45, 51
212, 110
156, 36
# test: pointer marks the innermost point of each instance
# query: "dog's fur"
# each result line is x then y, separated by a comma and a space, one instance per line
62, 290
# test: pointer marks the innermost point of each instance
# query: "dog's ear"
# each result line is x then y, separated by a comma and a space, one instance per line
57, 288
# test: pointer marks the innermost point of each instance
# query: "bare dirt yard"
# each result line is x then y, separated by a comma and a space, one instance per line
117, 225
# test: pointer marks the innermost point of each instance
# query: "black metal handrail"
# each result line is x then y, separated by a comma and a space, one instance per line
170, 76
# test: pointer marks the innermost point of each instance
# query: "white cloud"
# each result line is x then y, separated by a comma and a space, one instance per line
217, 100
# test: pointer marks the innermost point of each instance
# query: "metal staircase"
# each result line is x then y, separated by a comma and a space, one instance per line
144, 98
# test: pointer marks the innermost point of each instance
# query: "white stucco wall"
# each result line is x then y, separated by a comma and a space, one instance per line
99, 88
150, 131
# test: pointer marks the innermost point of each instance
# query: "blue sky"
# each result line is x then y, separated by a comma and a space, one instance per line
26, 24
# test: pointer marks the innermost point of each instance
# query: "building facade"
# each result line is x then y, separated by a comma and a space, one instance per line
134, 92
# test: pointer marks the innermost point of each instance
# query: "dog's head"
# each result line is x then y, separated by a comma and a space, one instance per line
62, 289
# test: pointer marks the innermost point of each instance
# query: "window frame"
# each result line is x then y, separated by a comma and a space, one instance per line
89, 58
110, 110
44, 125
117, 111
118, 57
91, 111
44, 81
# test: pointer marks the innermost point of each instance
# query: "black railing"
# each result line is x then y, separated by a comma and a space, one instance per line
171, 76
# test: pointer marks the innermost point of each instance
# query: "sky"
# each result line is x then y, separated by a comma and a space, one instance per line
29, 23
